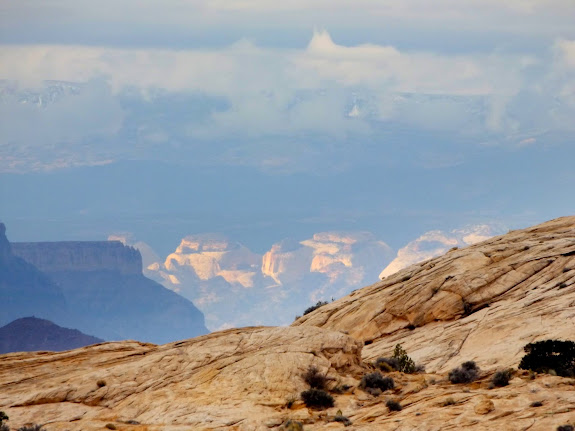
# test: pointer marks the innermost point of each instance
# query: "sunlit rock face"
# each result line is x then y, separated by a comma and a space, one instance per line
210, 256
483, 302
235, 287
435, 243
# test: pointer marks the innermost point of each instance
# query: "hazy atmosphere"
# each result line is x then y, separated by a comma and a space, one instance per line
386, 124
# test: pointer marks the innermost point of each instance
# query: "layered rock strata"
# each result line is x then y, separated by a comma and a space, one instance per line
483, 302
80, 256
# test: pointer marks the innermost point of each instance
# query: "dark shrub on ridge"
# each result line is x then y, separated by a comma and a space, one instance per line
376, 381
467, 373
548, 355
315, 307
316, 398
315, 379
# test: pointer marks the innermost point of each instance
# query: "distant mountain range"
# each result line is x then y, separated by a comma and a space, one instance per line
32, 334
235, 286
95, 287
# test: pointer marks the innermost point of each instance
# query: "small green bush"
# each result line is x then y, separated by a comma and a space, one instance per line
3, 417
317, 305
393, 406
376, 381
405, 363
467, 373
501, 378
317, 398
550, 355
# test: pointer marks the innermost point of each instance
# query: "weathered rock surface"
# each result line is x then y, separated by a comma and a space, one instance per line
482, 303
243, 379
435, 243
237, 379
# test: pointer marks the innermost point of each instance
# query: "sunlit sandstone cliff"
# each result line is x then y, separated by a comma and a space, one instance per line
210, 269
250, 378
483, 302
435, 243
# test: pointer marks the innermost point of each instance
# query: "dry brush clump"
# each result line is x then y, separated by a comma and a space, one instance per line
467, 373
375, 383
317, 399
501, 378
315, 379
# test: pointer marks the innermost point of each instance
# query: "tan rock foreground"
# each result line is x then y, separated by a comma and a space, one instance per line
482, 303
244, 379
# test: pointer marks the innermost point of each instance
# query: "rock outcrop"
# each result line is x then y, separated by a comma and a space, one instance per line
249, 380
270, 289
24, 290
30, 334
97, 288
435, 243
80, 256
482, 303
237, 379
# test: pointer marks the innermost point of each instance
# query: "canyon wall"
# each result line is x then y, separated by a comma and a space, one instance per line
80, 256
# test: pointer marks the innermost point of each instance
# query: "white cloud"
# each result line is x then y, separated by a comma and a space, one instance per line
91, 113
275, 94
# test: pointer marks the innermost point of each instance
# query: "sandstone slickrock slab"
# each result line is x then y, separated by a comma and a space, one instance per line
239, 377
483, 302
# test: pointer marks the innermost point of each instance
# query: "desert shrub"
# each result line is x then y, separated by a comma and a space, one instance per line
501, 378
315, 307
550, 355
536, 404
340, 389
31, 427
293, 426
393, 405
315, 379
405, 363
376, 381
387, 364
565, 428
4, 427
3, 417
342, 419
111, 426
467, 373
419, 368
448, 402
317, 398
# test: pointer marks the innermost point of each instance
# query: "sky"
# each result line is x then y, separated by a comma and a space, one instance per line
265, 119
